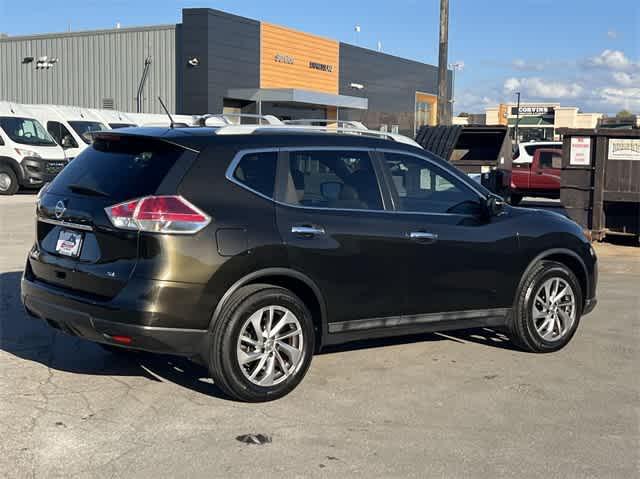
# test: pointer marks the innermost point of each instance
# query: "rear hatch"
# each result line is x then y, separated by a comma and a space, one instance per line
77, 248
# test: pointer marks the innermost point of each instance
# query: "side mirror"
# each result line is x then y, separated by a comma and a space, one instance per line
494, 205
67, 142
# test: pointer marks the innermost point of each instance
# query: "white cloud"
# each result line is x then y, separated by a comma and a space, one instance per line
610, 59
523, 65
543, 89
627, 98
612, 34
626, 79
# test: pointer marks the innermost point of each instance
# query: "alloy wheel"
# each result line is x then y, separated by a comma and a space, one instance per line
270, 346
554, 309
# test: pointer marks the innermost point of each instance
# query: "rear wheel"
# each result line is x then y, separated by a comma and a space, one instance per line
8, 181
548, 308
515, 199
261, 344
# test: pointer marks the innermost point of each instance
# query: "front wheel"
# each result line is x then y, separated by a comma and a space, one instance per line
515, 199
8, 181
261, 344
548, 308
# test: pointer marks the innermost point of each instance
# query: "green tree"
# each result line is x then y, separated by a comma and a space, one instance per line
623, 114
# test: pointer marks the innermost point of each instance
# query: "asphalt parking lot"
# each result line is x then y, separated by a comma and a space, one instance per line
462, 404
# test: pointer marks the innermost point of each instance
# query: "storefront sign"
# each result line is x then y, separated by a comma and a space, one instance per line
533, 110
580, 153
280, 58
321, 66
624, 149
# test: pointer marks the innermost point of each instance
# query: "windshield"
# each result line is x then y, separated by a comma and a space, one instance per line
85, 128
26, 131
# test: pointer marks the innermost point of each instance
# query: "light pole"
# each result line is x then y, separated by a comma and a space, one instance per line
517, 117
443, 114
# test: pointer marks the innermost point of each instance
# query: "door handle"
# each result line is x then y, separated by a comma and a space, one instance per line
423, 236
307, 230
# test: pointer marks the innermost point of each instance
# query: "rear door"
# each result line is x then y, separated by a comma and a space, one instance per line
331, 216
77, 248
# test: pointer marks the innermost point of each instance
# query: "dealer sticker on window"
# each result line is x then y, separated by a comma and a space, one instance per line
69, 243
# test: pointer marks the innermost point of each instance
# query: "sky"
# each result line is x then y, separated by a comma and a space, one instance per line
583, 53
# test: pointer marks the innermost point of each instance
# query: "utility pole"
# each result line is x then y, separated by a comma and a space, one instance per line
517, 118
443, 104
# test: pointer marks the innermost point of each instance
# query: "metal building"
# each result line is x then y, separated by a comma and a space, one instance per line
95, 69
213, 62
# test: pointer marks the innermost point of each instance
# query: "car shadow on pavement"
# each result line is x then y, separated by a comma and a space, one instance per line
33, 340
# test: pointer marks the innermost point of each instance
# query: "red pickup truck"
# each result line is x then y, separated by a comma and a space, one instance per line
540, 177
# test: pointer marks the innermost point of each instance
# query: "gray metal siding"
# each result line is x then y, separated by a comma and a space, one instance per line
92, 66
390, 84
228, 47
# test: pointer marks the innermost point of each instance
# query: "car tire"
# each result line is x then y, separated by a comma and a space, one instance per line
544, 320
515, 199
259, 367
8, 181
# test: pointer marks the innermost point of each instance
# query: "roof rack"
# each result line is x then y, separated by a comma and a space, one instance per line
222, 119
250, 129
331, 123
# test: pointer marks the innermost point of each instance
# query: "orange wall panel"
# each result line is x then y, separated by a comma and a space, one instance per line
286, 56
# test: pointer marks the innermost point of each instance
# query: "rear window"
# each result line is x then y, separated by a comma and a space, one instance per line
122, 168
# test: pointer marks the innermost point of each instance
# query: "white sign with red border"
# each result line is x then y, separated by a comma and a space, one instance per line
580, 153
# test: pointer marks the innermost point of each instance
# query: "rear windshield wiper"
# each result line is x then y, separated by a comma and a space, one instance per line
87, 190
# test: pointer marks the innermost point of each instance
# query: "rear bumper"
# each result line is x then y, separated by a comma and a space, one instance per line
38, 171
99, 323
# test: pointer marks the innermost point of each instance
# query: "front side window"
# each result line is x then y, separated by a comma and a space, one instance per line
26, 131
59, 132
85, 128
422, 187
332, 179
257, 171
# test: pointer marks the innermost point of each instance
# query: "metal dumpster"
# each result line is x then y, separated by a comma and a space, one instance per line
484, 152
600, 180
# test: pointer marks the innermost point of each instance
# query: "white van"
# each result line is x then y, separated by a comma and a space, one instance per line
70, 126
29, 157
161, 119
114, 119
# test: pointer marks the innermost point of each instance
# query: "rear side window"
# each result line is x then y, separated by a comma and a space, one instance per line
550, 160
122, 168
257, 171
332, 179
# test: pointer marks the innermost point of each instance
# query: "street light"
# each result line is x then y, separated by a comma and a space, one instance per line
517, 117
458, 66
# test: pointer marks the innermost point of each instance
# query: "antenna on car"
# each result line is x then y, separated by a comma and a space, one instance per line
164, 107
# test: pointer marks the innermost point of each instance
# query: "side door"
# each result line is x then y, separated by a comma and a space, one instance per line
458, 259
545, 174
332, 216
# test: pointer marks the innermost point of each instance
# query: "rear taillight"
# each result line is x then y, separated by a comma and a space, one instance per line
158, 214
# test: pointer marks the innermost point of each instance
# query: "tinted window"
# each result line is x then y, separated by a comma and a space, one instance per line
85, 128
332, 179
115, 126
25, 131
425, 188
123, 168
58, 131
550, 160
258, 172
